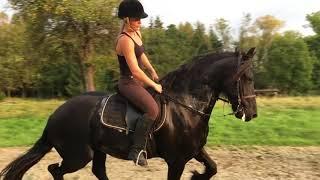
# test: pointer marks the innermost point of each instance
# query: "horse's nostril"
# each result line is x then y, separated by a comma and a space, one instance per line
254, 115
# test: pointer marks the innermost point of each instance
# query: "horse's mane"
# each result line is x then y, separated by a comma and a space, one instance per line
193, 68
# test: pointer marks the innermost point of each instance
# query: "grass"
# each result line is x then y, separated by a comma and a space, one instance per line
23, 120
290, 121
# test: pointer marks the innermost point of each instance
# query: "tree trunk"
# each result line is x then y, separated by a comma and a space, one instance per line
86, 54
89, 76
8, 93
23, 93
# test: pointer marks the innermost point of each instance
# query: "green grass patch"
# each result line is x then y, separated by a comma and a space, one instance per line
20, 132
289, 121
23, 120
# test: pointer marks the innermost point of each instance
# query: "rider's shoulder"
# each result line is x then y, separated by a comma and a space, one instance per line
123, 39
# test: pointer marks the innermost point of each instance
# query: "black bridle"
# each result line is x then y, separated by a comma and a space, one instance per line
242, 68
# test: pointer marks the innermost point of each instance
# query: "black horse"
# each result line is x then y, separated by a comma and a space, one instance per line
191, 92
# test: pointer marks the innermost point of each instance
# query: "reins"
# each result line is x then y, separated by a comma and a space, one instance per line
190, 108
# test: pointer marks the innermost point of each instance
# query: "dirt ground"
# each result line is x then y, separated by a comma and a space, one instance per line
245, 163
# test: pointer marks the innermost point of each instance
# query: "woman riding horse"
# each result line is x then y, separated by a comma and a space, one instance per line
75, 130
131, 54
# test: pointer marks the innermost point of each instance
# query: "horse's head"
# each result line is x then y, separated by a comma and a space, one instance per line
210, 74
239, 88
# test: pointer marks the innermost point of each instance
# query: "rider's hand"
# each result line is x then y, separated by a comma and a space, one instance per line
158, 88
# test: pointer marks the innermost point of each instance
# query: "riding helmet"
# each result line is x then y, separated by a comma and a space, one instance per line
131, 8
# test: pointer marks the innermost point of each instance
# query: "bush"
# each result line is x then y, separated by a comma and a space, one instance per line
2, 96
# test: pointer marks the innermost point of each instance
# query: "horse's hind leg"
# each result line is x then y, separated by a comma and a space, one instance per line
211, 166
66, 167
71, 162
98, 165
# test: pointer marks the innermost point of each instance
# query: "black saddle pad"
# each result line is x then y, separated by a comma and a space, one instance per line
116, 112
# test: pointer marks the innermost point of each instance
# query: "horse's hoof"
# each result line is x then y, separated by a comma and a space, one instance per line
198, 176
52, 168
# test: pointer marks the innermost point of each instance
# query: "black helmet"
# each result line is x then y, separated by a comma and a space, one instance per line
131, 8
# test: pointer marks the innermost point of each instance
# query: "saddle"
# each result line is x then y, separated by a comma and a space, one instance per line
118, 113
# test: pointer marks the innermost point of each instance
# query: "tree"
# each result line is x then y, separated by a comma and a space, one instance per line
267, 27
200, 41
13, 73
247, 35
314, 20
186, 29
155, 42
290, 64
76, 23
314, 44
3, 18
214, 42
223, 29
158, 23
178, 46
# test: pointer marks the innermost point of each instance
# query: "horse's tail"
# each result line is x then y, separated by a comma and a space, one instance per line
16, 169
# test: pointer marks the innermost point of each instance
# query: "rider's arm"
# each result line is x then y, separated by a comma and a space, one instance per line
146, 63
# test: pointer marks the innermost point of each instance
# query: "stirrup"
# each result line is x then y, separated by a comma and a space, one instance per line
138, 157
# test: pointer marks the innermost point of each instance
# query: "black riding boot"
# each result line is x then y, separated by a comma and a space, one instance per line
137, 151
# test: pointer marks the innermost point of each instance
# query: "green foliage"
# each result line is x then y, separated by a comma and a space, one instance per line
158, 24
2, 95
80, 25
266, 28
200, 40
289, 64
14, 76
214, 42
314, 44
314, 20
248, 37
51, 47
168, 48
74, 84
223, 30
107, 73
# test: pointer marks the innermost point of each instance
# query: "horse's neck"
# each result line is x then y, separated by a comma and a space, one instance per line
197, 95
198, 99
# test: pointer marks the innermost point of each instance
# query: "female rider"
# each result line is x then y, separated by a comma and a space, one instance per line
131, 57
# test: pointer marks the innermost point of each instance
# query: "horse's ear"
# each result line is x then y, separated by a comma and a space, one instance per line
251, 52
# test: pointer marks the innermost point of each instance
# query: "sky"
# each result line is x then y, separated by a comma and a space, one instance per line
293, 12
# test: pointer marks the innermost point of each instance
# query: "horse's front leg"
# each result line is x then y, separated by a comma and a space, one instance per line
211, 166
175, 169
